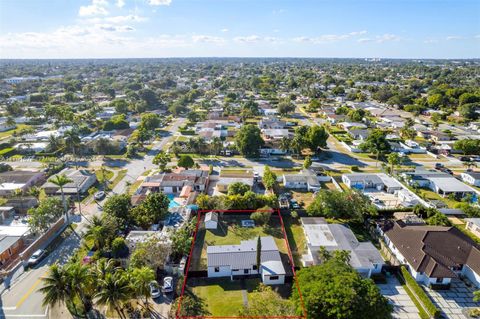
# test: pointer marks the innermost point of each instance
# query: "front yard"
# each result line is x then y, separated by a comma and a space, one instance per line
222, 296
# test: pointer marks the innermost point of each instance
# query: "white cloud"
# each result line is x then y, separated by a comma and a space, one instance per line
96, 8
224, 30
127, 18
326, 38
120, 3
380, 38
279, 11
355, 33
208, 39
430, 41
454, 37
159, 2
387, 37
247, 39
114, 28
364, 40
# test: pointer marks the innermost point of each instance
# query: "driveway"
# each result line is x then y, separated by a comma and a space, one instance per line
455, 300
403, 306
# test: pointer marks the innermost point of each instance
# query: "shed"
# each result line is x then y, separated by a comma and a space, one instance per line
211, 220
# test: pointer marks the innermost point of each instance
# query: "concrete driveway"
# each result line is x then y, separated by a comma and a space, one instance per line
455, 301
403, 306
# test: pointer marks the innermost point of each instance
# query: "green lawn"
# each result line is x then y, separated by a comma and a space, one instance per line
431, 195
221, 296
120, 175
230, 232
17, 129
296, 238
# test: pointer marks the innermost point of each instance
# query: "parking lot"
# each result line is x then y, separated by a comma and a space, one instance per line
403, 306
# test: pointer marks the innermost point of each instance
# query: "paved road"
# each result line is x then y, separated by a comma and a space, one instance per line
23, 300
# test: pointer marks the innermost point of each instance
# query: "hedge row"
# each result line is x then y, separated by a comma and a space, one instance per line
420, 293
7, 151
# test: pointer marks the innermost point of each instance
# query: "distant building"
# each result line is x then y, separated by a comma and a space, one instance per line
472, 178
368, 181
442, 183
473, 225
82, 180
12, 181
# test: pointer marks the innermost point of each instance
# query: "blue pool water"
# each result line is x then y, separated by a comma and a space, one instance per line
172, 203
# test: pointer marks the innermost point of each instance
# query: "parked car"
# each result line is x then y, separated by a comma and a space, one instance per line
36, 257
154, 290
438, 165
294, 204
167, 285
99, 195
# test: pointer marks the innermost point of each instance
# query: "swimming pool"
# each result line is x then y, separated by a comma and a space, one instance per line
172, 203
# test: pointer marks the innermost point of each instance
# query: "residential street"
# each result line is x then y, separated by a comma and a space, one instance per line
23, 300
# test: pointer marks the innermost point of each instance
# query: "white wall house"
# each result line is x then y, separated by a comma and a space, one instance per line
364, 257
472, 178
432, 255
240, 260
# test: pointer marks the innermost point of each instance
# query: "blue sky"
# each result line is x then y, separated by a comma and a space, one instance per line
283, 28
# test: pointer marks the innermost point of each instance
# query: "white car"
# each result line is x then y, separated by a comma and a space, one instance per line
36, 257
154, 290
167, 284
99, 195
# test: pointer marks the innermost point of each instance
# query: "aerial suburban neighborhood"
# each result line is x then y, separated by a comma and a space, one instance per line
244, 186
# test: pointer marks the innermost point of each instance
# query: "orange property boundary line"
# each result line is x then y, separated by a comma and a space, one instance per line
244, 211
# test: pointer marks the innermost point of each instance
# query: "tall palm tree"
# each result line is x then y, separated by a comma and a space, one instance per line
72, 140
114, 291
141, 279
103, 267
60, 181
56, 289
81, 283
54, 143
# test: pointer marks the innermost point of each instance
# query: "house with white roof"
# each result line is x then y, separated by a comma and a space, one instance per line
472, 178
364, 257
442, 183
473, 225
241, 261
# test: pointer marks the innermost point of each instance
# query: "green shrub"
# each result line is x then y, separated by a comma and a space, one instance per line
420, 293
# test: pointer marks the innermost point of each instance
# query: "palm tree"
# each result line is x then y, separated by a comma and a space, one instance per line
34, 191
72, 140
60, 181
114, 291
81, 283
56, 289
54, 143
141, 279
103, 267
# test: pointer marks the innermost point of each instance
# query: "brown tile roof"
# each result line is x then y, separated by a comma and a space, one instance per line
434, 250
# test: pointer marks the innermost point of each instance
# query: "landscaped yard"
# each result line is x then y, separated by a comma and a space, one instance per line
230, 232
222, 296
